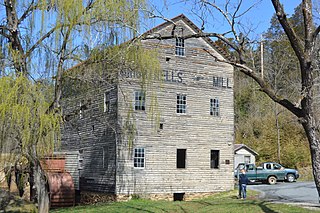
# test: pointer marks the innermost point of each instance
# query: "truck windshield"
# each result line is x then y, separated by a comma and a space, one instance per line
277, 166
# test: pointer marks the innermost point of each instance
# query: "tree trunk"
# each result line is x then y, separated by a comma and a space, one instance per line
276, 113
314, 143
42, 188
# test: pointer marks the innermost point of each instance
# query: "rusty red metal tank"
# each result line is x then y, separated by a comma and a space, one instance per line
61, 186
61, 189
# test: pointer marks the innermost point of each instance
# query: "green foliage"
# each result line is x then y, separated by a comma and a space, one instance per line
24, 119
256, 127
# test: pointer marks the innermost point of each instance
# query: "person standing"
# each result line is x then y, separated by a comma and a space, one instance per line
243, 181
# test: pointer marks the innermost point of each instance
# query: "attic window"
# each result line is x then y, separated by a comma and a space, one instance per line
180, 50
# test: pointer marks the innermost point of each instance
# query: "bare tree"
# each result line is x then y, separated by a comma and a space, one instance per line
304, 104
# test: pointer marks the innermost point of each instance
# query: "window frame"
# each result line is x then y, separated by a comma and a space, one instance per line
215, 107
247, 157
180, 47
139, 162
81, 110
106, 102
139, 100
213, 163
181, 103
217, 81
181, 163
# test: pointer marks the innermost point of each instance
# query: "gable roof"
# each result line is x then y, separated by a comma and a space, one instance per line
237, 147
193, 27
165, 24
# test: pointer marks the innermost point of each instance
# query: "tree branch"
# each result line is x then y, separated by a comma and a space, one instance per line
291, 34
40, 41
2, 31
265, 87
225, 15
27, 12
316, 33
196, 35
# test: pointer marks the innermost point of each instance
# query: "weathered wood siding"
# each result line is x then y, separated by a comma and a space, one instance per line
196, 131
107, 155
92, 133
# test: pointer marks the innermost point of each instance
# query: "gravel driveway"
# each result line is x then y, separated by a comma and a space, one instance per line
300, 193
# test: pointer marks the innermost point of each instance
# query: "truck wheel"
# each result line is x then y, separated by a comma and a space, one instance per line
272, 180
291, 178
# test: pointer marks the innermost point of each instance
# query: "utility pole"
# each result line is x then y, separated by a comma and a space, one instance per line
261, 56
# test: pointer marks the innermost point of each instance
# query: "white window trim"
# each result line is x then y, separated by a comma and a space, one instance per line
186, 108
212, 107
134, 100
180, 47
144, 158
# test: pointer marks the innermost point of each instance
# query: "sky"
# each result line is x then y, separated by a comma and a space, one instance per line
257, 19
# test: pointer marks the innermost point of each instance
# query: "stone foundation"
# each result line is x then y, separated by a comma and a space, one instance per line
167, 196
94, 197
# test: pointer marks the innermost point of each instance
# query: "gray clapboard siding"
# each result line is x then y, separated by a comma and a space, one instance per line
198, 132
108, 156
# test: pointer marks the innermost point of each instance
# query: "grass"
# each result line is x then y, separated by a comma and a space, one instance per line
220, 202
306, 174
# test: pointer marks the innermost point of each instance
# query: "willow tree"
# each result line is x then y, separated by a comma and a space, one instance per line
41, 39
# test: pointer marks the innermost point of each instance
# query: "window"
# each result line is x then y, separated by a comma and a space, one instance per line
81, 110
180, 51
277, 166
247, 159
214, 159
139, 100
161, 126
138, 159
214, 107
104, 157
217, 81
250, 167
80, 159
181, 103
106, 102
268, 166
181, 158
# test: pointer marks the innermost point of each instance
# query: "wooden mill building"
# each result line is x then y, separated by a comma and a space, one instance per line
186, 152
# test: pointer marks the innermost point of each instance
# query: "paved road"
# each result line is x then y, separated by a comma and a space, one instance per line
297, 192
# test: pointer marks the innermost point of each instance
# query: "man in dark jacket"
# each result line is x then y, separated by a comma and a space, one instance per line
243, 181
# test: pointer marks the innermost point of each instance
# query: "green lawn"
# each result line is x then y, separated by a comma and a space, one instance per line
220, 203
